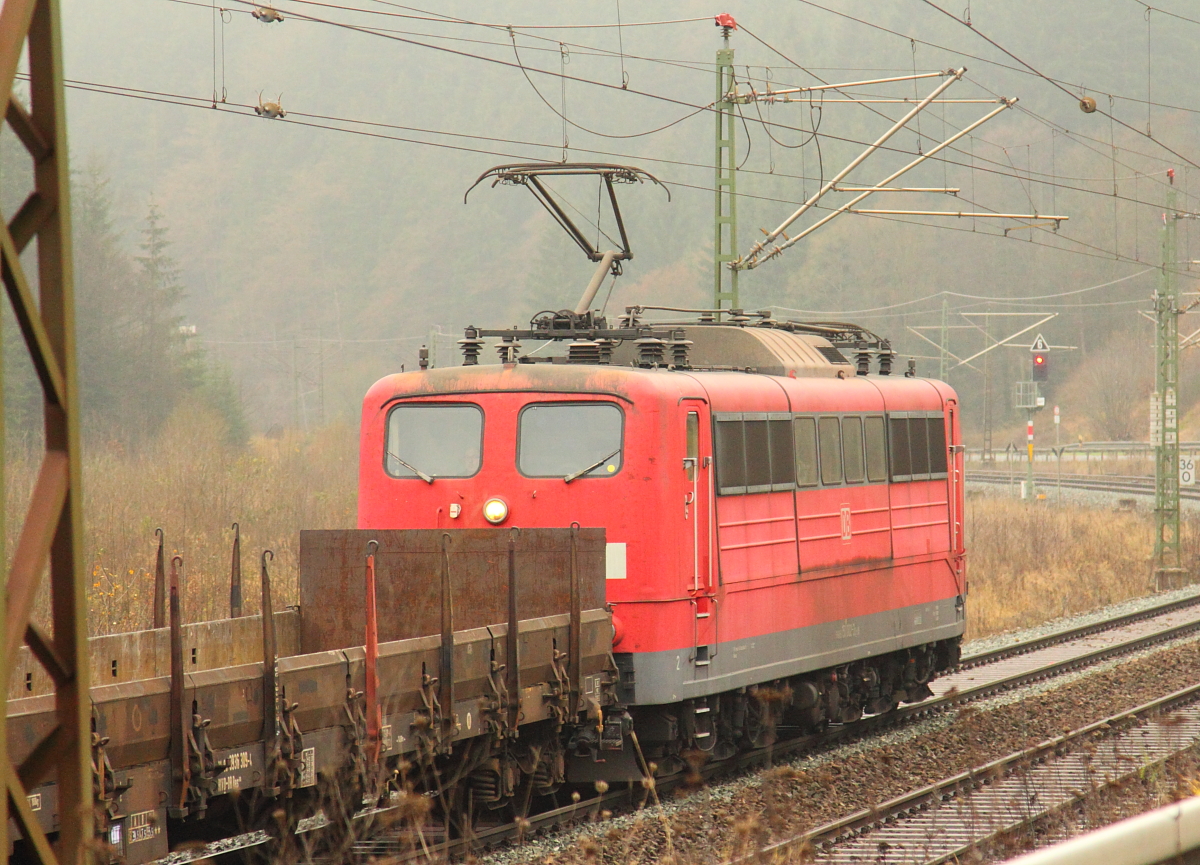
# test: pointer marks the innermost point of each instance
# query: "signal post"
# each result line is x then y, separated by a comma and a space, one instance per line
1029, 397
1029, 444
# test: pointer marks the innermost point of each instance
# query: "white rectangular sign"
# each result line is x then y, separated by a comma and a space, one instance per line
614, 561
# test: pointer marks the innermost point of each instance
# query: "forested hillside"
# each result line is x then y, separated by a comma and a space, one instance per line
316, 252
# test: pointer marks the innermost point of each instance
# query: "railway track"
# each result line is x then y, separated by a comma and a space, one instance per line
944, 821
979, 676
1133, 484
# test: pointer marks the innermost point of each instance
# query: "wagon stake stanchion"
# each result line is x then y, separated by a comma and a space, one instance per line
270, 698
180, 770
160, 585
235, 575
371, 645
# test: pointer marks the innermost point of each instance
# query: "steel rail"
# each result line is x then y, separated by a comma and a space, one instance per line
590, 807
1107, 480
962, 785
1101, 483
1076, 632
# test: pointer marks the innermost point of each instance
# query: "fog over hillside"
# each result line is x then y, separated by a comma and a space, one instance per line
316, 260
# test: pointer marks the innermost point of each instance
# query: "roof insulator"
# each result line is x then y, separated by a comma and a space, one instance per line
471, 344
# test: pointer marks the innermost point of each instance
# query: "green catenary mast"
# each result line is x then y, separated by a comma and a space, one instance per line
1168, 565
725, 242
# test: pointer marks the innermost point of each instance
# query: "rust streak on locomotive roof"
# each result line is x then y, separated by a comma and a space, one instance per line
564, 379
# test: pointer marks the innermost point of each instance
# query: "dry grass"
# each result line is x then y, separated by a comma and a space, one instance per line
1028, 563
194, 486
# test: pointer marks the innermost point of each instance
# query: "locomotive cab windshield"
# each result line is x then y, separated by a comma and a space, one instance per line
570, 440
434, 440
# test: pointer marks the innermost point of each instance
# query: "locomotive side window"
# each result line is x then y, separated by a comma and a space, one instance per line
937, 446
783, 462
901, 461
755, 453
830, 440
805, 429
731, 457
570, 440
876, 450
918, 442
918, 445
852, 449
434, 440
758, 454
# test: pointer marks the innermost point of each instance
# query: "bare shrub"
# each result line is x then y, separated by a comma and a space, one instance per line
1111, 389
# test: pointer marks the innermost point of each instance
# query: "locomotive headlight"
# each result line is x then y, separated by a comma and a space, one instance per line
495, 511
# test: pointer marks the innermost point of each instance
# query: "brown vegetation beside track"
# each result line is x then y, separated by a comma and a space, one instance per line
1029, 563
195, 486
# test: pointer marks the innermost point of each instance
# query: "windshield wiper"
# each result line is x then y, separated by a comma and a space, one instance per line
573, 475
420, 473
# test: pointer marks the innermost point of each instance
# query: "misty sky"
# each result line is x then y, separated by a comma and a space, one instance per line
286, 230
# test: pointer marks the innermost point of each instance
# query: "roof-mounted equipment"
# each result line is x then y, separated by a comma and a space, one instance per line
532, 175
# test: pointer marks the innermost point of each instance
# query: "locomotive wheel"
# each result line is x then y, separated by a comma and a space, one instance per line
761, 724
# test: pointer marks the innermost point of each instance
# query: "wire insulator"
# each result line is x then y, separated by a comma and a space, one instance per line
650, 350
508, 349
471, 345
583, 351
680, 345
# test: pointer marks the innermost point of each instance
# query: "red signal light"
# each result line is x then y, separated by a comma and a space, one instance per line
1039, 359
1041, 367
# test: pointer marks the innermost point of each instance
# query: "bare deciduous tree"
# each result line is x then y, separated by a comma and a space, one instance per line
1112, 388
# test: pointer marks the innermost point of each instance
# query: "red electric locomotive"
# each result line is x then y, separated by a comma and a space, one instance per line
784, 524
776, 514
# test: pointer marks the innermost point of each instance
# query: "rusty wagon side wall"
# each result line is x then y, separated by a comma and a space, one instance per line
408, 567
136, 655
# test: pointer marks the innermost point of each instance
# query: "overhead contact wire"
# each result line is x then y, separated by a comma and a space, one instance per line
698, 109
1054, 82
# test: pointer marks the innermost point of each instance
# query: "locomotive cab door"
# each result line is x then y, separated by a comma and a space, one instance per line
699, 489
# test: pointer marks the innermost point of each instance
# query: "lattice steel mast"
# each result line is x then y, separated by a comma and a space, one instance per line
1168, 565
725, 240
52, 529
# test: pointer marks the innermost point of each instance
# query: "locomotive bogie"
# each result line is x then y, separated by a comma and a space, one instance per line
680, 736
